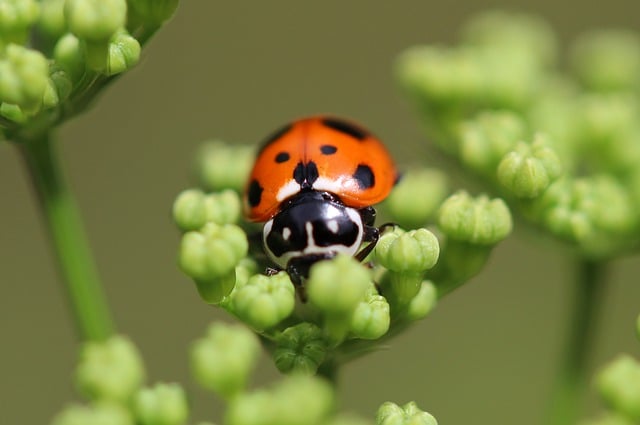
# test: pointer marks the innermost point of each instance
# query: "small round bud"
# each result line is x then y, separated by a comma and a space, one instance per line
300, 349
163, 404
371, 318
110, 370
608, 60
69, 54
409, 414
480, 220
96, 414
24, 75
223, 360
16, 16
336, 287
486, 139
264, 301
619, 386
153, 12
95, 20
124, 53
193, 208
529, 169
210, 257
423, 302
223, 166
416, 198
12, 113
414, 251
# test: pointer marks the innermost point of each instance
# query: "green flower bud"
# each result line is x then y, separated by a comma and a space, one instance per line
110, 370
58, 88
264, 301
97, 414
407, 255
336, 287
459, 262
223, 360
296, 400
153, 12
222, 166
164, 404
371, 318
513, 32
95, 20
608, 60
193, 209
210, 257
300, 349
619, 386
529, 169
478, 220
24, 74
124, 53
423, 302
16, 16
69, 54
409, 414
414, 251
486, 139
416, 198
52, 20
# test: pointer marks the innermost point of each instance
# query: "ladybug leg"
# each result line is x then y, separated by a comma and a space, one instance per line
270, 271
368, 215
371, 235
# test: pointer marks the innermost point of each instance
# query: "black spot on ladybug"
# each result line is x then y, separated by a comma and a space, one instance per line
346, 128
255, 193
305, 174
328, 149
282, 157
275, 136
364, 176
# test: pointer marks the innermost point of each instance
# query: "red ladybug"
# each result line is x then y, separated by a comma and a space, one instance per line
314, 182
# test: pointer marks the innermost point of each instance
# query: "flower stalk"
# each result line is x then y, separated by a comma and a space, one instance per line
62, 219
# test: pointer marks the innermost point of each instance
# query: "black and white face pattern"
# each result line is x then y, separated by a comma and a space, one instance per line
313, 223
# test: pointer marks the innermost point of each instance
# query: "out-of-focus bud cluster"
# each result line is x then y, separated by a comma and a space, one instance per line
110, 375
562, 148
55, 55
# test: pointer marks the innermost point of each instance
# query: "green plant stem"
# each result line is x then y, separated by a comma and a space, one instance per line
81, 282
572, 380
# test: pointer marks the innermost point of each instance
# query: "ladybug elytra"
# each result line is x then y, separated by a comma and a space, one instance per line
313, 183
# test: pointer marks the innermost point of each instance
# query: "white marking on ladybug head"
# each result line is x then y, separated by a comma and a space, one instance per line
333, 226
286, 233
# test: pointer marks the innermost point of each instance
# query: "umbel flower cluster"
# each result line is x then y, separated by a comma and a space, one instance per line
350, 308
55, 55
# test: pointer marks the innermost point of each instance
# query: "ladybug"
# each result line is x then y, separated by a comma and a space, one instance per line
313, 183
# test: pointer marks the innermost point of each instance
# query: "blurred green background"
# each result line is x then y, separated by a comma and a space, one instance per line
237, 70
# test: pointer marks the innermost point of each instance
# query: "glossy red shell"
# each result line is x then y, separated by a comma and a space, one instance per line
348, 161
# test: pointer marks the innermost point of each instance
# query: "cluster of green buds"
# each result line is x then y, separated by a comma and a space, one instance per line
345, 308
561, 148
55, 55
110, 375
222, 362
